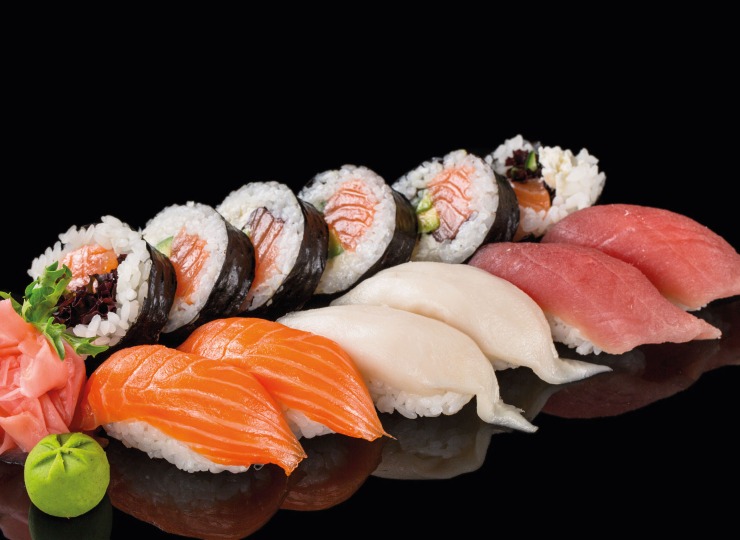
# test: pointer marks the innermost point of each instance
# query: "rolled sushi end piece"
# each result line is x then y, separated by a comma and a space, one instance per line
290, 238
460, 204
370, 227
213, 260
549, 182
121, 289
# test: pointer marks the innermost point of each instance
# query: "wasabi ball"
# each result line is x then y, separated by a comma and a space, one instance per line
66, 475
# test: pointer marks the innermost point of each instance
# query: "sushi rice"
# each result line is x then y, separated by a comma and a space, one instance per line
133, 274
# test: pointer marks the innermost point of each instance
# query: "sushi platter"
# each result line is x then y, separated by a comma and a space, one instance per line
517, 326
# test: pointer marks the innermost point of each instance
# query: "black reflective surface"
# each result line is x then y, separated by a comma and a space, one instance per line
650, 446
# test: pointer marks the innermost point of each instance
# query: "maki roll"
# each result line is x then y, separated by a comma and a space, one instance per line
290, 240
122, 288
460, 204
371, 226
549, 182
213, 262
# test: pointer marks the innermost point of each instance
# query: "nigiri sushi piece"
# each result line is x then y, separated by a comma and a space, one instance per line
197, 413
508, 326
689, 264
412, 364
313, 378
594, 302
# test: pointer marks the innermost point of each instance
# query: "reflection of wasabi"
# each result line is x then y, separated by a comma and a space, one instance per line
435, 448
66, 475
97, 524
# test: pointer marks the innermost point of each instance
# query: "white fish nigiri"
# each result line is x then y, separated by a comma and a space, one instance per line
412, 364
508, 326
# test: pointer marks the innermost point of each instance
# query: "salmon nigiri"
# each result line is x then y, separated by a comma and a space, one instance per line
194, 412
311, 376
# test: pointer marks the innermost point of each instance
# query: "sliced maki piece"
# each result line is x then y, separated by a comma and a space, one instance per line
121, 290
290, 239
371, 226
460, 204
550, 182
213, 261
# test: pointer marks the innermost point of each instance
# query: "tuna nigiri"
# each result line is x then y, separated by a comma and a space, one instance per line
415, 365
594, 302
688, 263
312, 377
197, 413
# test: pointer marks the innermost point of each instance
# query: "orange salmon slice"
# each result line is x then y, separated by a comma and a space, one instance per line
349, 212
532, 195
264, 230
302, 371
87, 261
188, 256
449, 191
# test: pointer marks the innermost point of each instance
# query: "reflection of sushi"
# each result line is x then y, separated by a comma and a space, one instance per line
213, 262
312, 377
460, 204
14, 503
371, 226
704, 268
508, 326
594, 302
290, 239
334, 469
435, 448
199, 505
197, 413
412, 364
549, 182
121, 289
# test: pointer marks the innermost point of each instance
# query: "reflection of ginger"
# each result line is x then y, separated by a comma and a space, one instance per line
14, 503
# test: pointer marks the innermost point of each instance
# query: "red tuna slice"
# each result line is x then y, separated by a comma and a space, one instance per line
610, 302
688, 263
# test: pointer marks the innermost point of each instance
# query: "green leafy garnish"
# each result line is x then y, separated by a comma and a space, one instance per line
39, 303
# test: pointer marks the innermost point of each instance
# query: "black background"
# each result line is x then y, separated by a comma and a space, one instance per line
128, 143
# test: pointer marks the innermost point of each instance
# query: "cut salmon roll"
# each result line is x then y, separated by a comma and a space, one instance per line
550, 182
460, 204
197, 413
213, 262
313, 378
290, 239
371, 226
122, 288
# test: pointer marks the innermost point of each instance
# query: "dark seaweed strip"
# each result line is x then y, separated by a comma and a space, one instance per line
403, 242
299, 285
155, 310
231, 287
506, 221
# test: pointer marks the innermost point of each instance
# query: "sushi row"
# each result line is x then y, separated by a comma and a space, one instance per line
265, 251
